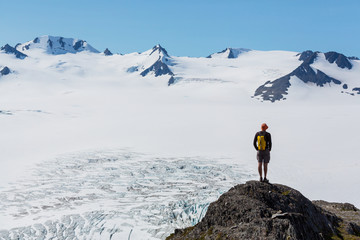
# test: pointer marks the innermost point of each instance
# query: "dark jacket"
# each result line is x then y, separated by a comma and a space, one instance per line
267, 137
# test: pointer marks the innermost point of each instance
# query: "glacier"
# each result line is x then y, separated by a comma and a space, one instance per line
114, 195
180, 145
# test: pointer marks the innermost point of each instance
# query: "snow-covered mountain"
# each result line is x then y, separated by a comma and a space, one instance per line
312, 68
156, 62
56, 45
309, 73
107, 52
229, 53
11, 50
131, 146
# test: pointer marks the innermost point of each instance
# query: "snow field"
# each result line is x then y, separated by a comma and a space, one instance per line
61, 115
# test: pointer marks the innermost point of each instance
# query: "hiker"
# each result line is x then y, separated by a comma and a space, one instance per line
262, 144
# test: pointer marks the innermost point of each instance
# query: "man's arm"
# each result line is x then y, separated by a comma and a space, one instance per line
255, 142
270, 143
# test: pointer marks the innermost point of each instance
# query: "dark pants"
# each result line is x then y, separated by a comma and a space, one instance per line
263, 156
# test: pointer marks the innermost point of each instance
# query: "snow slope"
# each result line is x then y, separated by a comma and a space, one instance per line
56, 45
85, 140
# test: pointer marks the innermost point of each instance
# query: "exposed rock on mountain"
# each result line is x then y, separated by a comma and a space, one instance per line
160, 66
158, 49
356, 90
5, 71
57, 45
265, 211
350, 218
107, 52
339, 59
277, 89
308, 57
10, 50
353, 58
229, 53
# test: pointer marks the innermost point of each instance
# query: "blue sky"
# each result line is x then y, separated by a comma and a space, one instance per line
189, 27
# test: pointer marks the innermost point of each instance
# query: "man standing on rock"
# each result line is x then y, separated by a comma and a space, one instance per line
262, 144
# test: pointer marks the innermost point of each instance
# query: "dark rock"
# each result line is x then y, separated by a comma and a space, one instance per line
36, 40
353, 58
159, 68
79, 44
159, 49
171, 81
349, 214
61, 41
50, 43
10, 50
248, 211
345, 86
26, 47
107, 52
307, 74
210, 56
5, 71
352, 229
356, 90
233, 52
275, 90
339, 59
308, 57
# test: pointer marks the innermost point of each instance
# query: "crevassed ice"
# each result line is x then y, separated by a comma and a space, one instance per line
114, 195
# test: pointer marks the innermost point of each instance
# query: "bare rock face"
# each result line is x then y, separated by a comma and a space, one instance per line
350, 218
258, 210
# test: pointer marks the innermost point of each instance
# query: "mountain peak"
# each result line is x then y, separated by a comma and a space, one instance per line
107, 52
160, 50
341, 60
229, 53
57, 45
11, 50
309, 57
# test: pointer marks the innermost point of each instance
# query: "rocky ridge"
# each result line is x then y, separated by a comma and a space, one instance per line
11, 50
5, 71
277, 89
272, 211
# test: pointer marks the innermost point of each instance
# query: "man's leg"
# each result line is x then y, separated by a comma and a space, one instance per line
260, 169
265, 169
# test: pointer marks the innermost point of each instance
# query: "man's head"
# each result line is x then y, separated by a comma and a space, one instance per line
264, 127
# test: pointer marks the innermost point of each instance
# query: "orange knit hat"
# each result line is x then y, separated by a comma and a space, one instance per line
264, 126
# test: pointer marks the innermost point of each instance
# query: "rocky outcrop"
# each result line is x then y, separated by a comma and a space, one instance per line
5, 71
258, 210
350, 217
160, 66
107, 52
56, 45
340, 60
357, 90
229, 53
277, 89
11, 50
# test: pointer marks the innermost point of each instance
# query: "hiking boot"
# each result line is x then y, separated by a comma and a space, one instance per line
261, 179
266, 180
